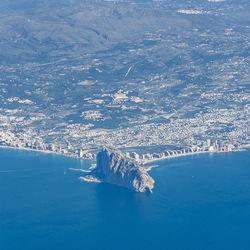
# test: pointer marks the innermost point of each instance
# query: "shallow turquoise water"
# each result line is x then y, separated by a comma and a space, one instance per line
199, 202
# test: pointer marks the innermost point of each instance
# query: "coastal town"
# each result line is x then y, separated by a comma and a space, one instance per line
10, 141
171, 90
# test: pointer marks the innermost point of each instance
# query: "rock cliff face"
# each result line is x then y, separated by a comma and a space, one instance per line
115, 168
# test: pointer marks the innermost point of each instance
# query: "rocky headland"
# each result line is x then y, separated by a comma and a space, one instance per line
115, 168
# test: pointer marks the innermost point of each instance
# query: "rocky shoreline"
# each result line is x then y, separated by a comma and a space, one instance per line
115, 168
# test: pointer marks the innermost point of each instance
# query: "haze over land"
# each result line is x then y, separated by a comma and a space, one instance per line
142, 76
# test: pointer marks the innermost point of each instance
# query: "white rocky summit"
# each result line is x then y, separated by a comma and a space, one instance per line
115, 168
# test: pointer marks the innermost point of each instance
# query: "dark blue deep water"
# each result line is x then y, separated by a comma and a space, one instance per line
199, 202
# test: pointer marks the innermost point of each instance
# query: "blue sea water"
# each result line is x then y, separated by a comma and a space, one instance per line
199, 202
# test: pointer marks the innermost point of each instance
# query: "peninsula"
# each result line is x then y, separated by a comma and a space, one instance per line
115, 168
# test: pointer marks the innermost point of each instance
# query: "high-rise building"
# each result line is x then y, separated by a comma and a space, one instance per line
80, 153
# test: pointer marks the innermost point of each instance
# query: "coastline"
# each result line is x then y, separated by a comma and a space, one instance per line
191, 153
143, 162
39, 151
